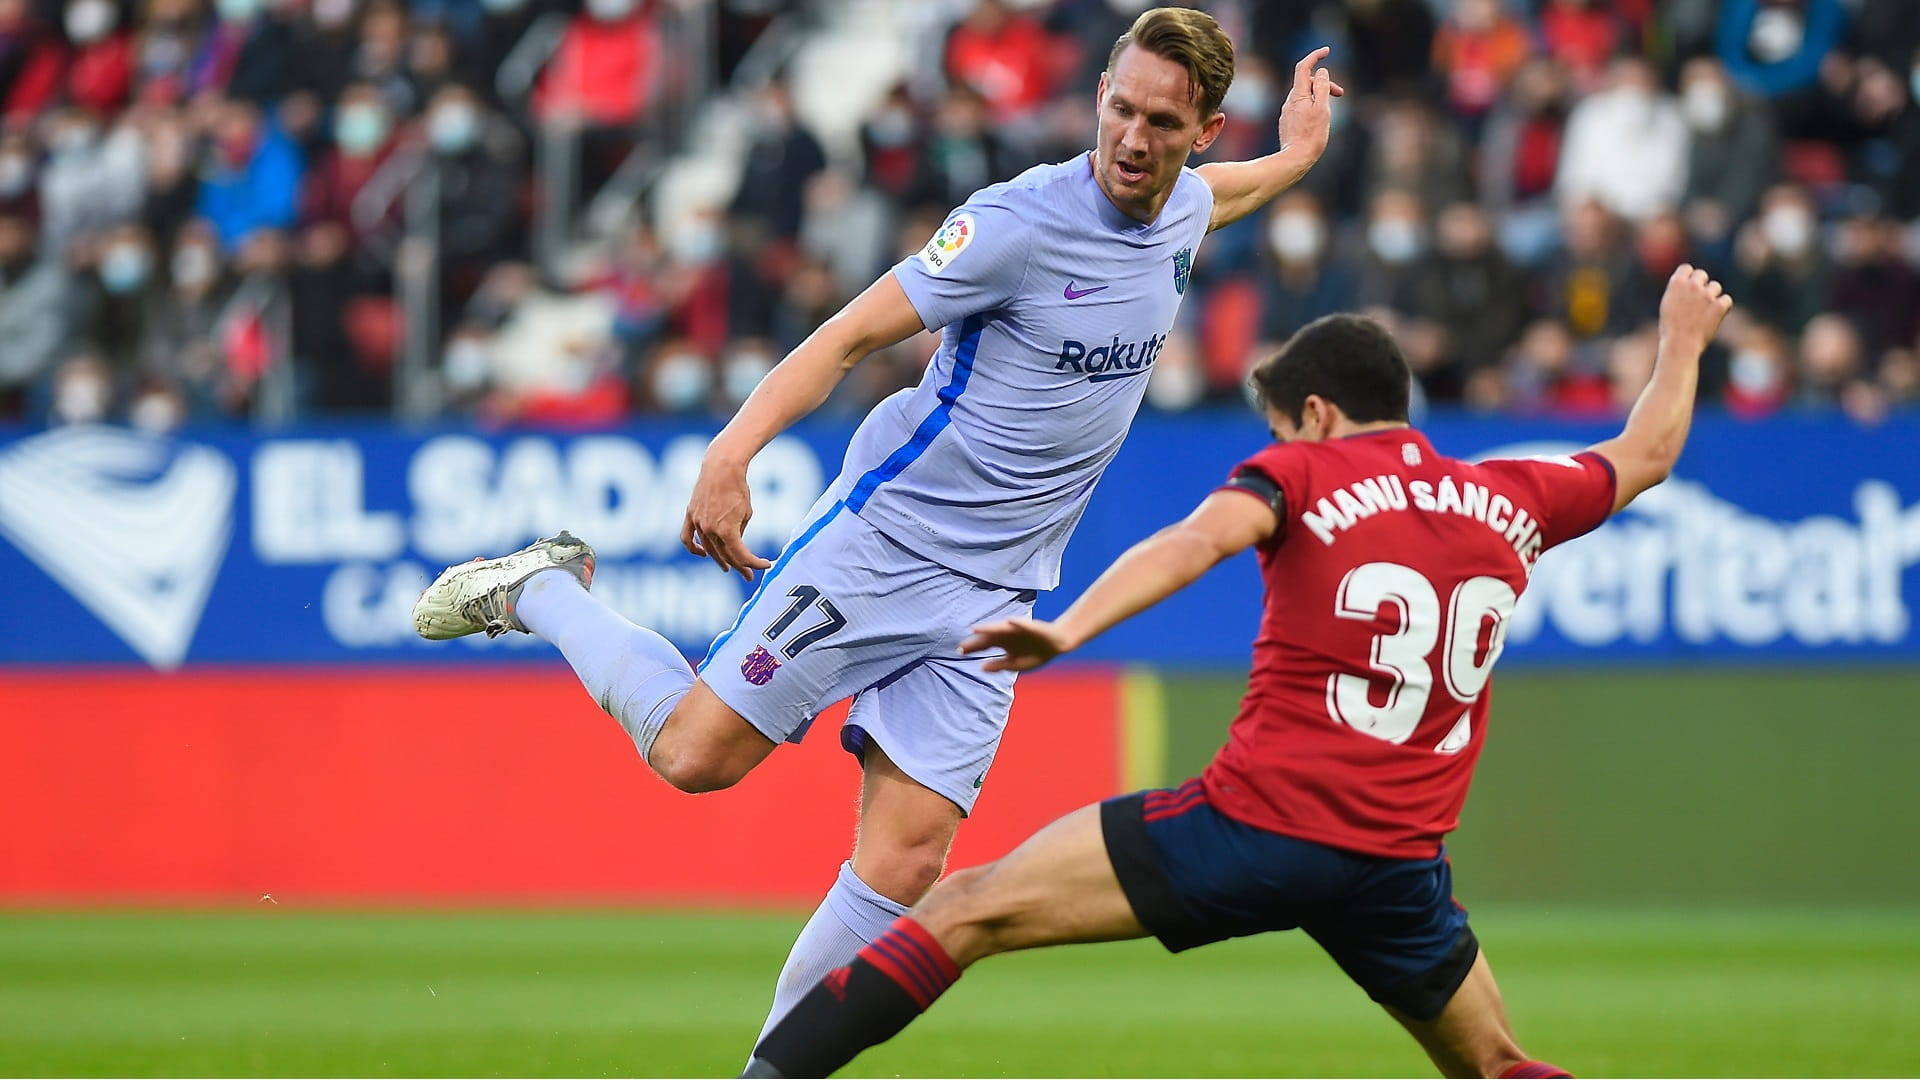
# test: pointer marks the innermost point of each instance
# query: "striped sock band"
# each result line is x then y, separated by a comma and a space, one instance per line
911, 957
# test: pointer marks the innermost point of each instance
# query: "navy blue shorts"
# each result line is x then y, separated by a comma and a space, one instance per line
1195, 876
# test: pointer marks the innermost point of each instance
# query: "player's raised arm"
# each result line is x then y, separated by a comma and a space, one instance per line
1306, 122
1224, 524
1644, 453
720, 506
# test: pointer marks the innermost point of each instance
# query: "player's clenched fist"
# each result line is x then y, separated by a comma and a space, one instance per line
1692, 308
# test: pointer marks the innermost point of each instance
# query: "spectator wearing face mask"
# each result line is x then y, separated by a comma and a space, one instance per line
181, 342
119, 299
782, 160
1303, 280
1774, 47
478, 175
250, 176
1759, 371
1781, 270
33, 311
1626, 146
1395, 262
100, 75
80, 390
363, 136
166, 42
1732, 157
679, 378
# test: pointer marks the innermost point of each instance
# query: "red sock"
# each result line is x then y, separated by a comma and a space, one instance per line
867, 1002
910, 956
1535, 1070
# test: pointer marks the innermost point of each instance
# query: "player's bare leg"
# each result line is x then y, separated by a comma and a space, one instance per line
704, 745
1471, 1036
681, 728
905, 831
1058, 888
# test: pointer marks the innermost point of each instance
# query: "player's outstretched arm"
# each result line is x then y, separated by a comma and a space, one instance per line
1225, 524
718, 511
1306, 122
1644, 452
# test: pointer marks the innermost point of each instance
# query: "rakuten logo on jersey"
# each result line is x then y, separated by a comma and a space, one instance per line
1109, 360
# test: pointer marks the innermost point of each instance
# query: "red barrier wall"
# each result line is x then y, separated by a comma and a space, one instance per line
404, 786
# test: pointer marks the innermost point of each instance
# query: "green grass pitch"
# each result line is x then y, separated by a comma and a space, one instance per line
284, 992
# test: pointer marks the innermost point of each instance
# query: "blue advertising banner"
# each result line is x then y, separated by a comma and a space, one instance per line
1792, 540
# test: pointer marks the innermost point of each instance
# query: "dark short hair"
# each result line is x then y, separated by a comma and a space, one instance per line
1350, 360
1192, 39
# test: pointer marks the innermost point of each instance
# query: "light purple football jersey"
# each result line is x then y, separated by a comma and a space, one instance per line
1052, 307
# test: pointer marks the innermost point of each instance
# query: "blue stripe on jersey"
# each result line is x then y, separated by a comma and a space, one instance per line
772, 572
933, 425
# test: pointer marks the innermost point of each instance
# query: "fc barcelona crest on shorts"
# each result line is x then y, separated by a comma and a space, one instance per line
1182, 270
759, 666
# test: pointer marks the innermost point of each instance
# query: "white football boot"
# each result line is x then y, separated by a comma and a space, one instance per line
479, 596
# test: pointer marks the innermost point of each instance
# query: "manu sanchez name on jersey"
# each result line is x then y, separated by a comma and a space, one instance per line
1336, 513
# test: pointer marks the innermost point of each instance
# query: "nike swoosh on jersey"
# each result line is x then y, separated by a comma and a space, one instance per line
1072, 293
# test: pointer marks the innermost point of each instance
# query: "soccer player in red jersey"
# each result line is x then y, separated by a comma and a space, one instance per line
1390, 573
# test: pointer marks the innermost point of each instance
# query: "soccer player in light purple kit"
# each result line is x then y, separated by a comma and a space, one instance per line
1054, 293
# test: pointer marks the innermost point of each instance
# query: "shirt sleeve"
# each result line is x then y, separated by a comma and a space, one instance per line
974, 263
1271, 475
1574, 493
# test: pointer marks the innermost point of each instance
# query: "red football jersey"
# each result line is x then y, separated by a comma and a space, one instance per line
1388, 588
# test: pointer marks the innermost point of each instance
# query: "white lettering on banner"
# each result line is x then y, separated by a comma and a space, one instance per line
309, 505
1685, 561
365, 605
469, 499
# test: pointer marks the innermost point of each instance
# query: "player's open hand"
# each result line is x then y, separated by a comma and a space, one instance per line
717, 515
1306, 120
1692, 308
1028, 643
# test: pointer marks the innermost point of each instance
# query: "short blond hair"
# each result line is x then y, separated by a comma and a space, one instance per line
1191, 39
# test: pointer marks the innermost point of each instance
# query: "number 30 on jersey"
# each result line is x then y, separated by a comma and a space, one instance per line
1401, 656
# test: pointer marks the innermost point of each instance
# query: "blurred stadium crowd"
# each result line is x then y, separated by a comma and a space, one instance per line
571, 211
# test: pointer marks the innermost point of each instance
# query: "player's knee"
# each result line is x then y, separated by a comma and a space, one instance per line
695, 767
903, 871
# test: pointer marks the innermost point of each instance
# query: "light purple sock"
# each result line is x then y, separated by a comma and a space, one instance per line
634, 674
